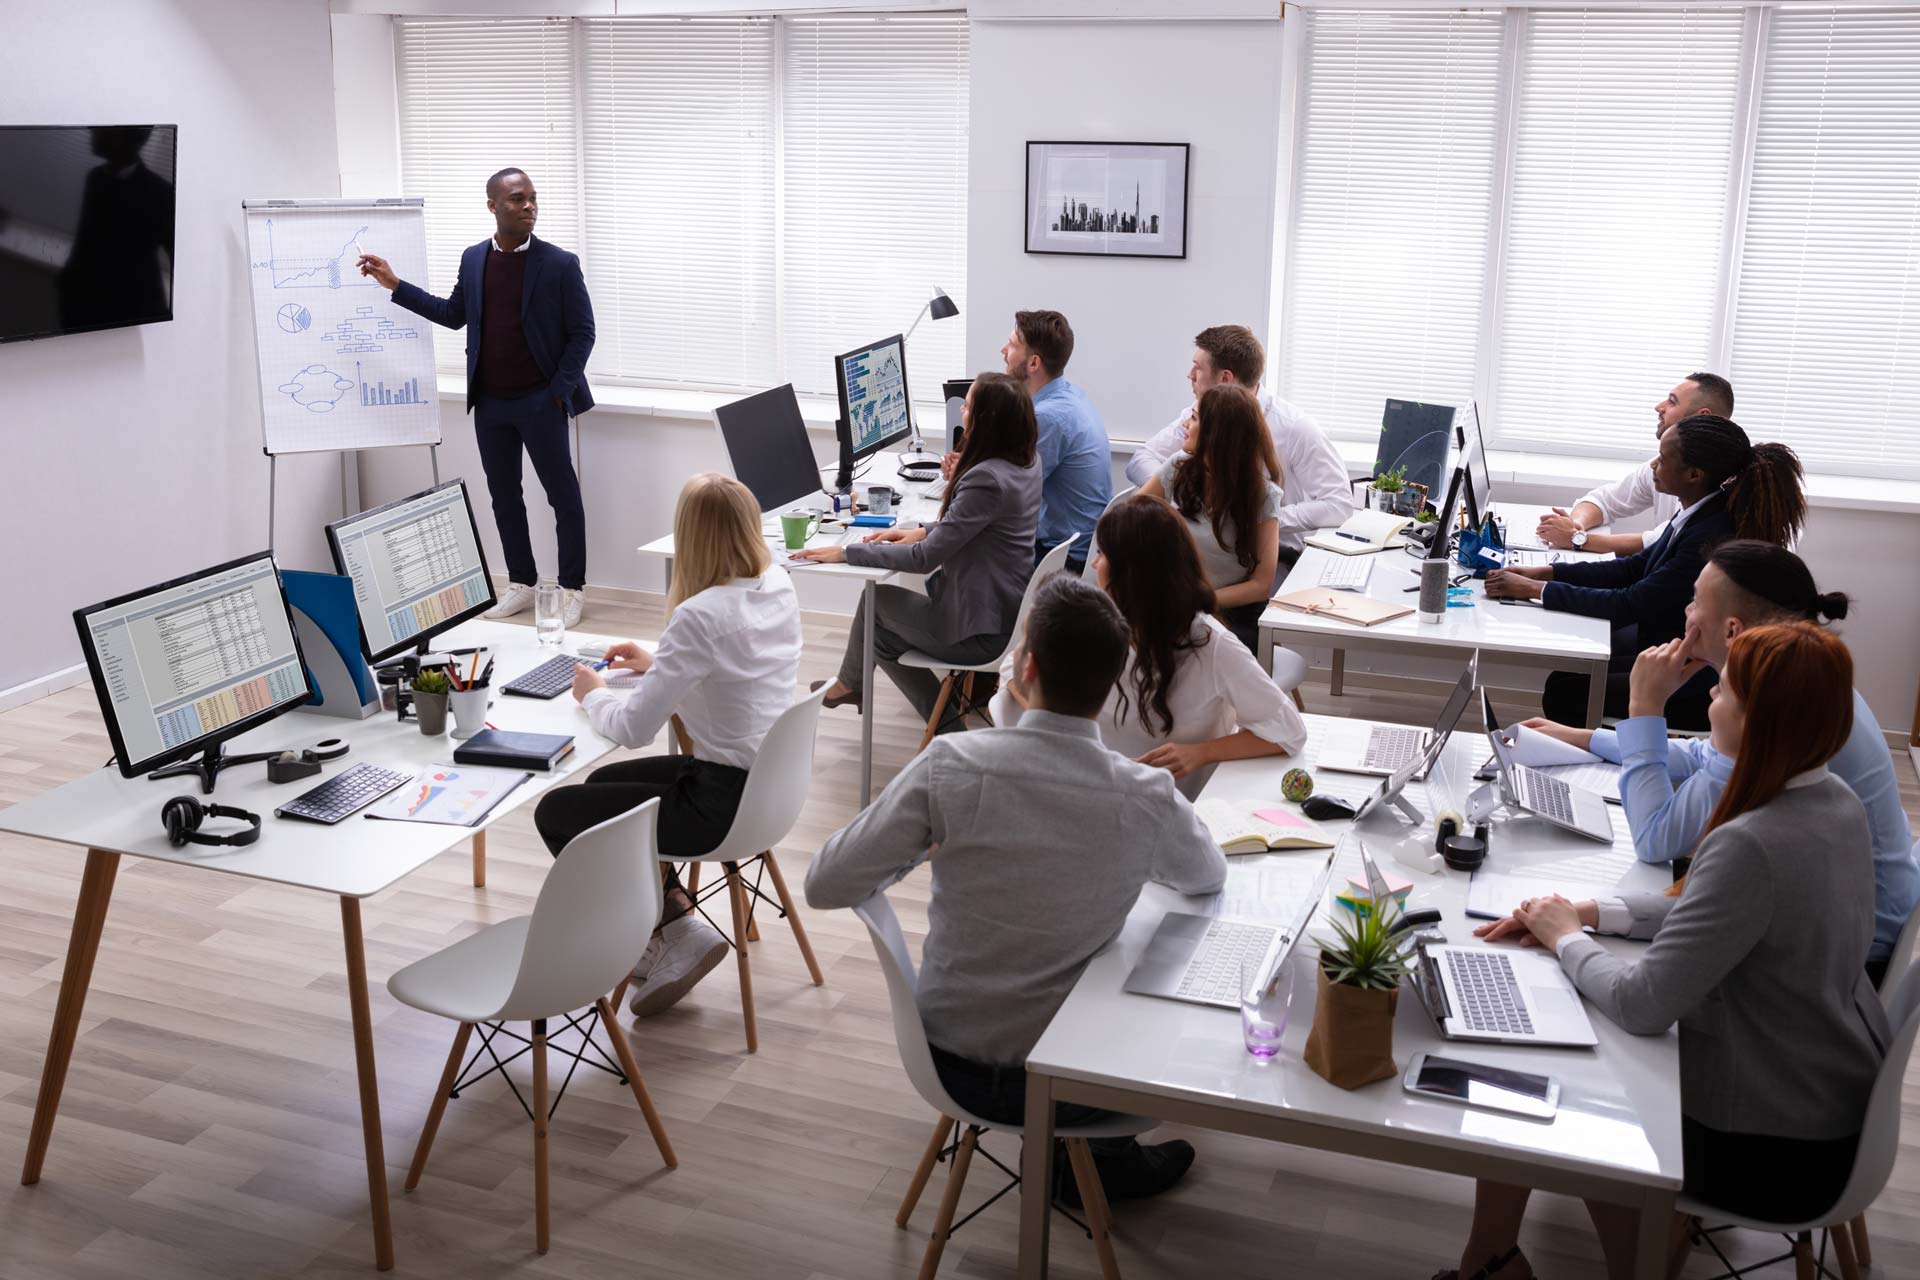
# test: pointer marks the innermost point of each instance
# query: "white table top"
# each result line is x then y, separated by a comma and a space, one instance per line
354, 858
1521, 628
1619, 1115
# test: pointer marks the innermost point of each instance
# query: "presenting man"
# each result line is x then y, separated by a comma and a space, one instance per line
529, 323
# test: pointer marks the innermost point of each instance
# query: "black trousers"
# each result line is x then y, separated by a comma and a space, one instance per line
1564, 699
534, 423
999, 1094
1759, 1176
697, 802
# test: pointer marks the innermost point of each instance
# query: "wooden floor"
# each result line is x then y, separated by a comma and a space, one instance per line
209, 1127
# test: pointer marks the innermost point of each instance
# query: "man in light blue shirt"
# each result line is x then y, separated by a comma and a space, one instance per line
1076, 462
1669, 788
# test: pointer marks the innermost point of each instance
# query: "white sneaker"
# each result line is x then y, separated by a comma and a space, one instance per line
689, 949
517, 599
649, 960
571, 605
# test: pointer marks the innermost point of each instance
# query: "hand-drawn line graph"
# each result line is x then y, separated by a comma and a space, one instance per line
316, 388
366, 331
335, 272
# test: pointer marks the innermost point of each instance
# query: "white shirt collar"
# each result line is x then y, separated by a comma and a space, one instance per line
1816, 774
1680, 517
524, 245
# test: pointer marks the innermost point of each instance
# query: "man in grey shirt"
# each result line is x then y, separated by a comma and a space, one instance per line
1040, 839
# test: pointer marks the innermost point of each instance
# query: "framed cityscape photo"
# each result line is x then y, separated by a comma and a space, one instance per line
1107, 199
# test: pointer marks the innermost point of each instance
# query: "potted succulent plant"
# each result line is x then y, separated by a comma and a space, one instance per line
430, 693
1392, 492
1351, 1042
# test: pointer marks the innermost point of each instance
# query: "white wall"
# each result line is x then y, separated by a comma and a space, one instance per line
133, 456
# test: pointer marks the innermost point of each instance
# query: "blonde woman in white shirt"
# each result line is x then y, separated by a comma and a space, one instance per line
727, 663
1191, 696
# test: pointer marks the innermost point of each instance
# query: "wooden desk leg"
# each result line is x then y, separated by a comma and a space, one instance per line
866, 697
1338, 676
480, 859
1656, 1235
1596, 694
369, 1082
89, 916
1036, 1177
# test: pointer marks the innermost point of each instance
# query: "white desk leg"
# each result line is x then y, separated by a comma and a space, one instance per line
89, 917
1036, 1177
1596, 694
369, 1083
1656, 1235
866, 696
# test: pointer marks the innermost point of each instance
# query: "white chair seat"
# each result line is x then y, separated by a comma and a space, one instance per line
470, 980
915, 658
1119, 1126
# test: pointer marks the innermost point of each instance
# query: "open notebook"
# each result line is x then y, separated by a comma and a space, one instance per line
1240, 830
1347, 606
1360, 533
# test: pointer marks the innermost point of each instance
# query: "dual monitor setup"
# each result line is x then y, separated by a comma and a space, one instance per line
1419, 437
183, 667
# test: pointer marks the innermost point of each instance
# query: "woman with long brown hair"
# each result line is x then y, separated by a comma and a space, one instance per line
1226, 485
1758, 954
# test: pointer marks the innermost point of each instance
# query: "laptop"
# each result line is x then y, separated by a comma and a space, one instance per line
1500, 995
1543, 795
1197, 959
1384, 749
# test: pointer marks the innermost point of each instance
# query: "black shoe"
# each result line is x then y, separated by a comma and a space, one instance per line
844, 700
1133, 1174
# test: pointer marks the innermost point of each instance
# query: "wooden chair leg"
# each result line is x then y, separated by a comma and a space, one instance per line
439, 1107
1803, 1268
693, 878
620, 992
942, 1126
737, 895
793, 919
1862, 1249
1093, 1198
949, 1201
753, 920
966, 695
480, 859
624, 1052
939, 707
1298, 702
540, 1135
1842, 1237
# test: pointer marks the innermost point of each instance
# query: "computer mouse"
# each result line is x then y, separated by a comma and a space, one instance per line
1323, 808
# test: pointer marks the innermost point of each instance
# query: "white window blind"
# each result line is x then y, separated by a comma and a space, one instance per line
1826, 338
1622, 154
679, 192
874, 137
477, 96
1387, 258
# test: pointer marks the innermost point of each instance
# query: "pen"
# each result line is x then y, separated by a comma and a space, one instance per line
1342, 533
603, 664
490, 724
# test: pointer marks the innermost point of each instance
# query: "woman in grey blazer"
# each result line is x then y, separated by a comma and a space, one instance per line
979, 554
1758, 954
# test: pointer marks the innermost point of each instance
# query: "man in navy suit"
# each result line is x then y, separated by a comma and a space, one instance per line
529, 323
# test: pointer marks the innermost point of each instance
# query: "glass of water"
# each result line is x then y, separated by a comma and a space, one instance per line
1264, 1008
549, 618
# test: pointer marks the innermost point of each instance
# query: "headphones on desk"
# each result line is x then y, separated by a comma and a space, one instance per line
182, 816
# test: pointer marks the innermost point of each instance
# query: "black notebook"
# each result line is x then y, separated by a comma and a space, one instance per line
514, 750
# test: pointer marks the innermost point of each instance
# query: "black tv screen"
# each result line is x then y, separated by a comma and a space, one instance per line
86, 227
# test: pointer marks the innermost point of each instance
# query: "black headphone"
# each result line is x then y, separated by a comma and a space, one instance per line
182, 816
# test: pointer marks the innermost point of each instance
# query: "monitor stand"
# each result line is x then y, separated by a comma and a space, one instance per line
843, 433
208, 766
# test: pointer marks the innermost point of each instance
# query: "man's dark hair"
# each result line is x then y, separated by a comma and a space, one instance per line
1047, 335
1233, 349
1078, 642
493, 183
1772, 585
1716, 393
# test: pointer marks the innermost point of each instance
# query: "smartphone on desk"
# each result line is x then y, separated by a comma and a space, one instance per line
1475, 1084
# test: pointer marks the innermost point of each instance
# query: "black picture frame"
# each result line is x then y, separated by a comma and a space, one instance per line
1058, 170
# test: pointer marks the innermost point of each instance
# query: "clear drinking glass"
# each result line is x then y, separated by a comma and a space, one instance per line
1264, 1008
549, 618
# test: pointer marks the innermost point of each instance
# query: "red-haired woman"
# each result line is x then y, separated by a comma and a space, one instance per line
1758, 955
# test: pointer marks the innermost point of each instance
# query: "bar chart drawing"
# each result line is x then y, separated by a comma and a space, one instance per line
378, 393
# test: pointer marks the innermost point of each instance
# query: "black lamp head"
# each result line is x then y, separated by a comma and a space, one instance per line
942, 307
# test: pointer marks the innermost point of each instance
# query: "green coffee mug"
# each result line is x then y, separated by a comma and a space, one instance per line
798, 526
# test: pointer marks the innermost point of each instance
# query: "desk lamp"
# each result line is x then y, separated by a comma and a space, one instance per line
940, 307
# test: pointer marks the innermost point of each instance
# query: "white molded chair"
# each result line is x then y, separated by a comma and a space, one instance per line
1872, 1164
1289, 672
769, 806
1093, 539
1050, 564
594, 914
890, 945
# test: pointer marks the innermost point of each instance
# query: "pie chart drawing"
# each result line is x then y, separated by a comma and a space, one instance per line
294, 318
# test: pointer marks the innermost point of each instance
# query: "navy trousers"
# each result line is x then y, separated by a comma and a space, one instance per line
539, 426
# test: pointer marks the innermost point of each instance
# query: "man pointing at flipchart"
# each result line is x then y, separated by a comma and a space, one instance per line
529, 323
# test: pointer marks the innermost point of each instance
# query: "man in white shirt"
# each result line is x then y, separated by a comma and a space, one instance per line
1315, 492
1634, 492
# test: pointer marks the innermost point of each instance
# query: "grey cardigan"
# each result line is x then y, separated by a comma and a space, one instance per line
1761, 962
982, 549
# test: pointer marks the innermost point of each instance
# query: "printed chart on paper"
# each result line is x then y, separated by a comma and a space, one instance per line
341, 366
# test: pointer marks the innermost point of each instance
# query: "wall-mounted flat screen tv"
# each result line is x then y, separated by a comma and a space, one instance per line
86, 227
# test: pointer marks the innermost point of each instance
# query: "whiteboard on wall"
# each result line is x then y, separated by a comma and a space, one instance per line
341, 365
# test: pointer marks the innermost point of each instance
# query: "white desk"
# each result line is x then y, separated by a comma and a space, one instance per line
1616, 1136
109, 815
914, 508
1521, 632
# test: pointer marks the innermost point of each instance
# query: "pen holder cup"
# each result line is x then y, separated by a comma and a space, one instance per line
469, 710
430, 709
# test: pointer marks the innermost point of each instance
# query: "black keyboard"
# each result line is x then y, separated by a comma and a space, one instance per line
548, 680
343, 794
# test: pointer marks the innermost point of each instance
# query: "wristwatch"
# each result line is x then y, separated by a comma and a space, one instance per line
1579, 539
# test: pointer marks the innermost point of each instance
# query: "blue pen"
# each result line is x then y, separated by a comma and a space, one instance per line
603, 664
1357, 537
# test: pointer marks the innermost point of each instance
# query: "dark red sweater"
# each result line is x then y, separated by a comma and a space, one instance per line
507, 367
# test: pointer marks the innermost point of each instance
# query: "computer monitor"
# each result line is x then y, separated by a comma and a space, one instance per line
1439, 548
872, 383
417, 568
1418, 437
767, 442
182, 667
1473, 460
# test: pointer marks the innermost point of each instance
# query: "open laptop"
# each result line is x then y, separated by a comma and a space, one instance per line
1501, 995
1382, 749
1198, 959
1543, 795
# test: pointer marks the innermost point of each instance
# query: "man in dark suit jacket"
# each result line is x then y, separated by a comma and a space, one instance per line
529, 323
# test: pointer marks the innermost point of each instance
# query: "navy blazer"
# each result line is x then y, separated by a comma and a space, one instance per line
555, 314
1650, 589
